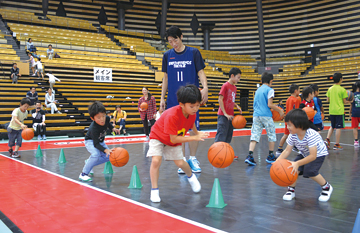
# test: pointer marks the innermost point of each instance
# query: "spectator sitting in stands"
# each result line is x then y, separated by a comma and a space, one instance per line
50, 101
14, 73
38, 116
52, 79
32, 63
30, 45
39, 68
50, 52
32, 95
120, 118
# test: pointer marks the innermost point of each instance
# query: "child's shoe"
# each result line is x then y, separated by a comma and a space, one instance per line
289, 195
15, 155
278, 152
44, 137
84, 177
338, 147
327, 143
250, 160
194, 164
325, 194
356, 143
195, 184
271, 158
10, 151
39, 137
154, 195
236, 157
180, 171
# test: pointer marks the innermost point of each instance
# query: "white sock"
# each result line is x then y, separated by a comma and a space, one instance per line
192, 157
184, 159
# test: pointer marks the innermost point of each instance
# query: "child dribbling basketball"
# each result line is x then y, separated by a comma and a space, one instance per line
312, 153
168, 133
94, 139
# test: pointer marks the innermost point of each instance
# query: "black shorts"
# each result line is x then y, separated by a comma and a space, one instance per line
337, 121
320, 126
310, 169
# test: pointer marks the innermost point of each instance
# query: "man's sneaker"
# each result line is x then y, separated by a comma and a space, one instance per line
180, 171
356, 143
154, 195
295, 149
325, 194
194, 164
84, 177
327, 143
288, 196
10, 151
250, 160
337, 147
44, 137
278, 152
91, 173
39, 137
195, 184
271, 158
236, 157
15, 155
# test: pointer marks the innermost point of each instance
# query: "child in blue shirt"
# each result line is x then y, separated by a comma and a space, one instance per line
355, 112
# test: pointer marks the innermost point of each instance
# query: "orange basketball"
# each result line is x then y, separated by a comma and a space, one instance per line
144, 106
276, 115
119, 157
310, 112
322, 116
239, 122
221, 154
281, 174
27, 134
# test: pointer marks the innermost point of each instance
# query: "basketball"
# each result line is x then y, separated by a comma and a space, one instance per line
144, 106
350, 96
281, 174
322, 116
276, 115
310, 112
119, 157
27, 134
221, 154
239, 122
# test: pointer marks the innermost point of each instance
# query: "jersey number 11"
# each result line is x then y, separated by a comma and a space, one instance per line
180, 76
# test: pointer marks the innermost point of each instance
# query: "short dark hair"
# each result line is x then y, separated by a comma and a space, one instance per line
14, 64
32, 87
188, 94
280, 100
50, 72
50, 45
117, 106
307, 91
38, 102
293, 87
29, 39
298, 118
266, 77
337, 77
314, 87
25, 101
39, 59
173, 31
235, 71
95, 108
356, 86
49, 88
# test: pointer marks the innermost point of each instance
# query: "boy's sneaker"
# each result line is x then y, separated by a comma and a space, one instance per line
180, 171
194, 164
337, 147
356, 143
271, 158
15, 155
39, 137
327, 143
250, 160
325, 194
44, 137
289, 195
154, 195
84, 177
278, 152
195, 184
236, 157
10, 151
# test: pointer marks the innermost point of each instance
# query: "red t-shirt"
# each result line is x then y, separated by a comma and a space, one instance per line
172, 122
309, 104
229, 92
292, 103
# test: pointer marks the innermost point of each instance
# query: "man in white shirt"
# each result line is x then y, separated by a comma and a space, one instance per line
52, 79
50, 52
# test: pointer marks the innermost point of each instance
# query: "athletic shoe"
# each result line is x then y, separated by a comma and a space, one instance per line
195, 184
271, 158
10, 151
91, 173
356, 143
84, 177
194, 164
250, 160
15, 155
278, 152
33, 74
154, 196
147, 138
59, 112
44, 137
288, 196
295, 149
180, 171
325, 194
327, 143
236, 157
337, 147
39, 137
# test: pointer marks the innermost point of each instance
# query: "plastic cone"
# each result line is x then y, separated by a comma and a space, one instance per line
62, 158
38, 152
108, 168
62, 168
216, 198
135, 182
356, 228
108, 179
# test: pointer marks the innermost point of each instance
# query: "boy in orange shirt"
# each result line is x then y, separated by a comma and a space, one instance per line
291, 103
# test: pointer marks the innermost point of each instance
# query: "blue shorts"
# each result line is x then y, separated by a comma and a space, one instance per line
337, 121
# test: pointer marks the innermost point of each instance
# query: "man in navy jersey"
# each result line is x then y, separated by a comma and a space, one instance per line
182, 65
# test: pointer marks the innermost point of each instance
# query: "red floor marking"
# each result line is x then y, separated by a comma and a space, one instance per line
38, 201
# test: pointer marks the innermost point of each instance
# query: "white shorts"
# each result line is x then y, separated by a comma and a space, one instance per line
157, 148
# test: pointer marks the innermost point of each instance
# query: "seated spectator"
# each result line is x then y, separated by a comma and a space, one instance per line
50, 52
30, 45
50, 101
32, 63
32, 95
14, 73
39, 125
52, 79
39, 68
119, 118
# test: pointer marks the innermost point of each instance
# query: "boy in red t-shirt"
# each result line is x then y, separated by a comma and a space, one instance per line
227, 97
291, 103
168, 133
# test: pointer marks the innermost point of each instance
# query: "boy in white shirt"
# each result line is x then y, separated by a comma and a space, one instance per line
52, 79
39, 68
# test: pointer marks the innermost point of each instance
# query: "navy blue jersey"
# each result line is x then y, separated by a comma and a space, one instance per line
182, 69
355, 111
